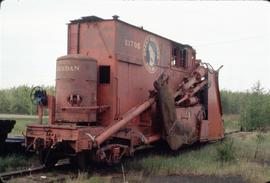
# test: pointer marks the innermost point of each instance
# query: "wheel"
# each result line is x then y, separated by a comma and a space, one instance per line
47, 158
80, 161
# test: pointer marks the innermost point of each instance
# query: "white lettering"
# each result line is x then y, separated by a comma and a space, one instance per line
67, 68
132, 44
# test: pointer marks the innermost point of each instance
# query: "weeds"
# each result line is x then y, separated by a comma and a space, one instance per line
207, 160
226, 151
259, 139
84, 178
14, 162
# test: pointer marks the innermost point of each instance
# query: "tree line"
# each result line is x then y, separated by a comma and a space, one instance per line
253, 105
16, 100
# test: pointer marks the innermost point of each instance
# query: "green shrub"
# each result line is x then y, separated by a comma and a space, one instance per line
255, 113
232, 101
226, 151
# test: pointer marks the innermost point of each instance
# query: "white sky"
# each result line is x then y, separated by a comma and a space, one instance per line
233, 34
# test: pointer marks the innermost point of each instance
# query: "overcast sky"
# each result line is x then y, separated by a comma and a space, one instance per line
233, 34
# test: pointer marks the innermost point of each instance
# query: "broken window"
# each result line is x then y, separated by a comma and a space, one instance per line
173, 61
179, 56
183, 58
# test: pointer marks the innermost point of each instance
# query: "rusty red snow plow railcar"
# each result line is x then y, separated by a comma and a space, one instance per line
120, 88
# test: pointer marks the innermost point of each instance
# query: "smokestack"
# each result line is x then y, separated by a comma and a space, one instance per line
115, 17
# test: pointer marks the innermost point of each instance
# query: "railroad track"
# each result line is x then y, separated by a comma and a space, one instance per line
13, 174
232, 132
4, 177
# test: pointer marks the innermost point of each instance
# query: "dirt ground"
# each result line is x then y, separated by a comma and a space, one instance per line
61, 177
184, 179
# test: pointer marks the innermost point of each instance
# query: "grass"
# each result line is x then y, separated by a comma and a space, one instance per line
16, 162
231, 123
204, 160
195, 160
84, 178
20, 126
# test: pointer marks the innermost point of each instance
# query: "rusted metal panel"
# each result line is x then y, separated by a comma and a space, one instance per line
134, 51
73, 32
190, 118
51, 109
133, 45
97, 40
76, 86
52, 134
215, 123
204, 130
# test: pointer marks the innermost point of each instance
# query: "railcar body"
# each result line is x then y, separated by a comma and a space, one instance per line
120, 88
6, 127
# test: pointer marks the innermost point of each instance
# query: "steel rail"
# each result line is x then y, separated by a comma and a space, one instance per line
28, 171
8, 175
232, 132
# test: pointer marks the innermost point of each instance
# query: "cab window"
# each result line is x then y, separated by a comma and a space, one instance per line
179, 57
